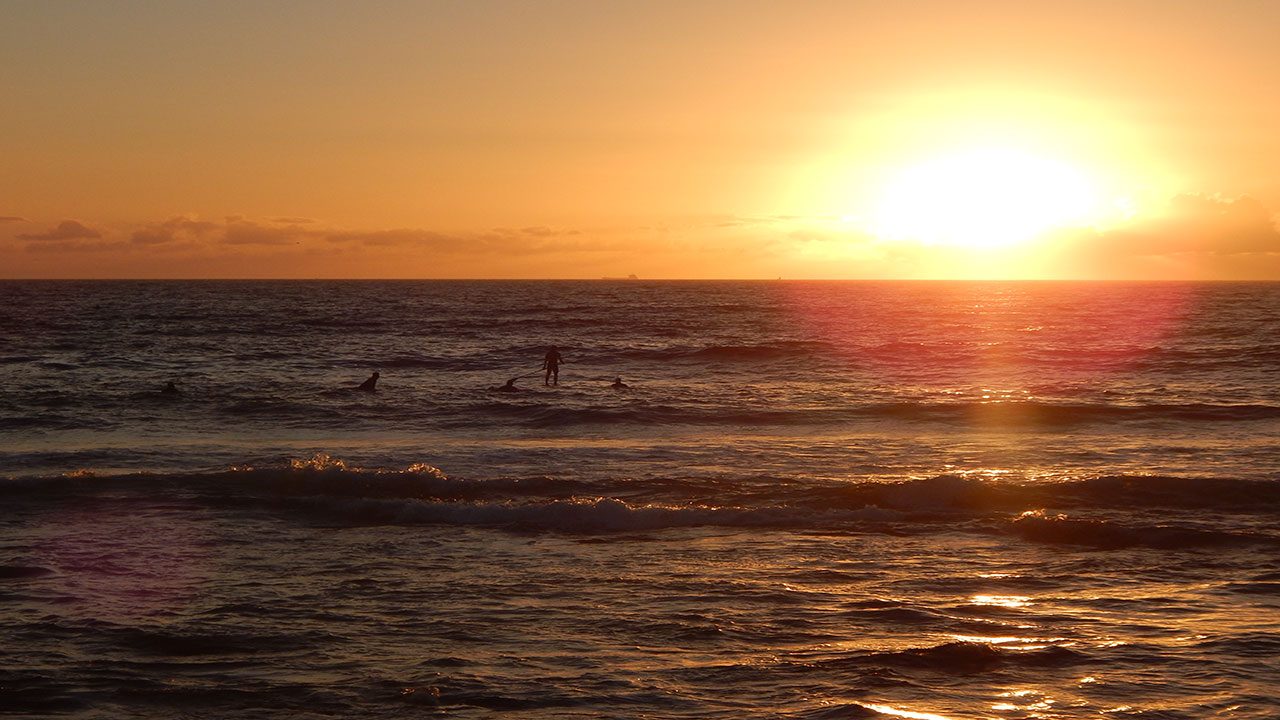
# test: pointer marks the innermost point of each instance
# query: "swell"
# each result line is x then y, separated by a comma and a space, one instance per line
322, 474
530, 409
1000, 414
1105, 512
962, 657
1104, 535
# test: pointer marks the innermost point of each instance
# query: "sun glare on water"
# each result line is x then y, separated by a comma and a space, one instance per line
983, 198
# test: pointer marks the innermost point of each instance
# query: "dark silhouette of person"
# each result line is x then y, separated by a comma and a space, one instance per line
551, 363
370, 385
618, 384
510, 386
171, 389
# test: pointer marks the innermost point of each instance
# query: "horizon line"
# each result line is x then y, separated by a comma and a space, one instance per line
632, 280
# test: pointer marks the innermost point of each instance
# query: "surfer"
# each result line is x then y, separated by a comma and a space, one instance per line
551, 364
618, 384
370, 384
171, 389
509, 387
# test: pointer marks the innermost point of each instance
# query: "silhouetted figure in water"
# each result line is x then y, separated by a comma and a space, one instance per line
551, 363
618, 384
509, 387
370, 385
171, 389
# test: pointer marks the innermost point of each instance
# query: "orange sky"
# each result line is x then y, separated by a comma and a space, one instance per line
667, 139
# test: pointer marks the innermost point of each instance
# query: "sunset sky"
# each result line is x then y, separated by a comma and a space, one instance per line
691, 139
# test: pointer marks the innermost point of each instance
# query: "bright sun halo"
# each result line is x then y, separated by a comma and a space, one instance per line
983, 198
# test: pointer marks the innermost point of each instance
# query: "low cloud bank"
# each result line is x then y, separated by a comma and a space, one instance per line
1195, 237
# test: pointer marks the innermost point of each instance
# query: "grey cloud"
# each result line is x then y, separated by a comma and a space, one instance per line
66, 230
11, 219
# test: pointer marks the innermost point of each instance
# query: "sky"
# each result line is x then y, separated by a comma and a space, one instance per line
1124, 139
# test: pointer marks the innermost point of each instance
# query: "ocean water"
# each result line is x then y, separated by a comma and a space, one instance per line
813, 501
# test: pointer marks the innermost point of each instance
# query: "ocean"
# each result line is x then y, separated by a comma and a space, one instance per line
812, 501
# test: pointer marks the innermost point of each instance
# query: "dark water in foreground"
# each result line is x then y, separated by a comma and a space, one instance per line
816, 500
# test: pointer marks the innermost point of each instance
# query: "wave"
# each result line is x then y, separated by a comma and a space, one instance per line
637, 413
572, 516
415, 361
1102, 535
959, 658
189, 644
535, 408
322, 474
1107, 512
1037, 413
1121, 492
611, 516
720, 353
23, 572
1012, 415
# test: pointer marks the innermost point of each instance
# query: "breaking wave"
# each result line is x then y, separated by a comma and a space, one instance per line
1105, 512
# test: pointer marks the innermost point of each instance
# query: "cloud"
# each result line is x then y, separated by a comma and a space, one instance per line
173, 230
11, 219
77, 246
503, 241
66, 230
424, 239
1201, 224
247, 232
234, 230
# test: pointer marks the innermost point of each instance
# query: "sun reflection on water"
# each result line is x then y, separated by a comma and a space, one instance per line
1025, 701
1009, 601
913, 715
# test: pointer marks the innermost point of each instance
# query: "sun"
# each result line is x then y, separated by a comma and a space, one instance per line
983, 198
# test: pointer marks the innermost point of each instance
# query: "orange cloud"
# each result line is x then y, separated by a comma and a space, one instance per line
66, 230
173, 230
1198, 236
1203, 224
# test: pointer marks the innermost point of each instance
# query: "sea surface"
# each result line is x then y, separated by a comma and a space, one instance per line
814, 501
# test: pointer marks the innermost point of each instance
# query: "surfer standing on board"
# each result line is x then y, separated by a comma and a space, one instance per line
551, 363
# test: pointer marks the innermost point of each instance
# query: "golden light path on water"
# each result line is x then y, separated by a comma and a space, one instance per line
911, 714
1008, 601
1006, 351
